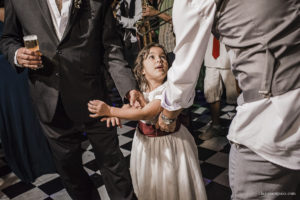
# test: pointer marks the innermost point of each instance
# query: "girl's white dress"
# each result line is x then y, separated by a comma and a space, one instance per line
166, 167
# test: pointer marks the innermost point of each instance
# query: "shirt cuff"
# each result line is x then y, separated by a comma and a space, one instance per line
16, 61
166, 104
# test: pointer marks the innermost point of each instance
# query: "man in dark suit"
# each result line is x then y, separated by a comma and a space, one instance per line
76, 40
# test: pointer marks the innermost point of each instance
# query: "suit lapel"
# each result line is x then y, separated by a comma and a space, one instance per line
47, 17
73, 14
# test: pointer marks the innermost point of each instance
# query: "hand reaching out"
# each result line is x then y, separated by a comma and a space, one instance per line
98, 108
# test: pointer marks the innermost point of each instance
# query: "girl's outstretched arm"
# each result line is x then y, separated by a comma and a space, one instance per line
100, 109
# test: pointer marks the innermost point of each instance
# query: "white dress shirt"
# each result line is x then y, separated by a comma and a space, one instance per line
59, 19
192, 22
270, 127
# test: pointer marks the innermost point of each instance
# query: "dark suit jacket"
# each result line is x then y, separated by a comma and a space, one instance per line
73, 67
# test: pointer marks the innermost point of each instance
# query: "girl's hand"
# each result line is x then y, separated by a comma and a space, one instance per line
98, 108
112, 120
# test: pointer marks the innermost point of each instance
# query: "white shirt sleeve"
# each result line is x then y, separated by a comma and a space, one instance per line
192, 22
16, 61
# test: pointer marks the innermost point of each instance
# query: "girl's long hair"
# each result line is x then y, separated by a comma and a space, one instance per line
138, 68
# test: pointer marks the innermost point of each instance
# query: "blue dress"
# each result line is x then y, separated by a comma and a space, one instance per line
25, 147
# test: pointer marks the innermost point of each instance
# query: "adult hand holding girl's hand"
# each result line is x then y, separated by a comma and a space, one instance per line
136, 99
167, 120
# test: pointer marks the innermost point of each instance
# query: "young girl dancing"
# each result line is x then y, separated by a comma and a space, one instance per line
163, 165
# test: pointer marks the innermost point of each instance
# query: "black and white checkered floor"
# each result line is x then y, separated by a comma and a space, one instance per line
213, 158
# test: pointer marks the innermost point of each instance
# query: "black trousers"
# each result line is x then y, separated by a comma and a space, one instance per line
65, 137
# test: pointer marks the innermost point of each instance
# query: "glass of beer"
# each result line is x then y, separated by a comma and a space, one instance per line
31, 43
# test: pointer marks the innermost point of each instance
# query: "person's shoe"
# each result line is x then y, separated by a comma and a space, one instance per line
212, 131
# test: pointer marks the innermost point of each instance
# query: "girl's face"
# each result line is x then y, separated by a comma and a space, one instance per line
155, 65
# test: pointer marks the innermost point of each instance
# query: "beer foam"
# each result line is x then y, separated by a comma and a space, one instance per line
30, 37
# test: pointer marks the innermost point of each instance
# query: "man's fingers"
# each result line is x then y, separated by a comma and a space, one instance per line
38, 53
165, 127
131, 101
27, 51
31, 66
141, 100
30, 57
157, 125
133, 95
30, 62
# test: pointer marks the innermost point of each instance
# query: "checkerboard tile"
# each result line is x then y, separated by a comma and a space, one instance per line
213, 159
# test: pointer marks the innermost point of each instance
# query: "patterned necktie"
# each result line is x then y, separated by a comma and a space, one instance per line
59, 5
216, 48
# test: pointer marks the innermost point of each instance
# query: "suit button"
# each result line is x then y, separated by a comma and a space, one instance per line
57, 75
58, 52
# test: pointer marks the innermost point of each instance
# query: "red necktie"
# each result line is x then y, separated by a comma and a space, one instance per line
216, 48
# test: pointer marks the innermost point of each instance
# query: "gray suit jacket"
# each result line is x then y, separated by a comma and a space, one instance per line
74, 66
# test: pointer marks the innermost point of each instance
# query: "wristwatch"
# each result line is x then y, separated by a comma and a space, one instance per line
166, 120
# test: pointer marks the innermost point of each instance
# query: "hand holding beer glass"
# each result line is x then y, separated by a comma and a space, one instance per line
30, 56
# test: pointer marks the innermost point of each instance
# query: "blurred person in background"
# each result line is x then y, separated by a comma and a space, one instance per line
128, 12
218, 77
166, 36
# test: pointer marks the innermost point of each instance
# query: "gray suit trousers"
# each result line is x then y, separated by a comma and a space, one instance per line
251, 177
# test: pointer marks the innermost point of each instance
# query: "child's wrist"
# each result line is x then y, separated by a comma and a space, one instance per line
109, 111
